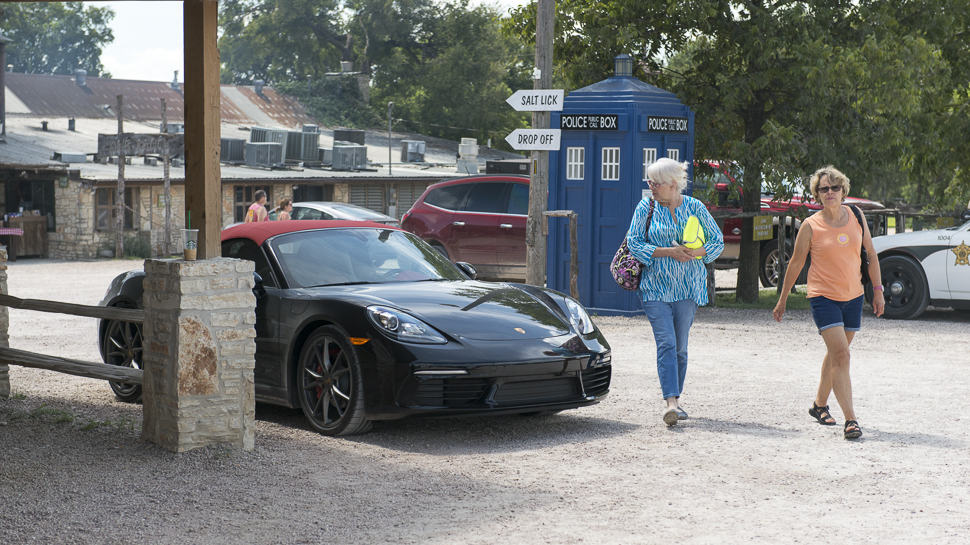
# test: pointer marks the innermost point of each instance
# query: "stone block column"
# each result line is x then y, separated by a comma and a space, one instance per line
200, 347
4, 325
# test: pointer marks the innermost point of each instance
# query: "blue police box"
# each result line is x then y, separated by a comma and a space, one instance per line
611, 131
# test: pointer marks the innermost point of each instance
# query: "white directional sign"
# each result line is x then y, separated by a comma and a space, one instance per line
534, 139
536, 100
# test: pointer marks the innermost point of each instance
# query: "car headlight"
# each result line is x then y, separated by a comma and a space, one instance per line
402, 326
578, 316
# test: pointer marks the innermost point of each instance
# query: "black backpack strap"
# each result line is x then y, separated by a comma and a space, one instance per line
646, 230
858, 218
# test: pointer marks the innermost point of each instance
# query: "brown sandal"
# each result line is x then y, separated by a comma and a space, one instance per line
821, 414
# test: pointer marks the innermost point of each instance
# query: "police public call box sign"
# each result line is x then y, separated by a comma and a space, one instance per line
667, 124
589, 122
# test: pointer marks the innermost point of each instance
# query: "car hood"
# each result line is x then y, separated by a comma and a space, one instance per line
468, 309
913, 238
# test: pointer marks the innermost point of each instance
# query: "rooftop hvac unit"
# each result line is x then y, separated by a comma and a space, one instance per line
310, 148
468, 150
311, 128
349, 157
325, 156
292, 146
349, 135
264, 154
232, 150
259, 134
412, 151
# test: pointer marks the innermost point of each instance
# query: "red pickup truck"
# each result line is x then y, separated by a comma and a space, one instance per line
717, 187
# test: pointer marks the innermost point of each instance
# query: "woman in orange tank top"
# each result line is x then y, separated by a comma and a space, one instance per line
834, 238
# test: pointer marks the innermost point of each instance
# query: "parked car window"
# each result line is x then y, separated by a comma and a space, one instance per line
519, 199
450, 197
487, 197
241, 248
302, 213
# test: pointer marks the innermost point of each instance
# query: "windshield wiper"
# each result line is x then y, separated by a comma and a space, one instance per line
355, 282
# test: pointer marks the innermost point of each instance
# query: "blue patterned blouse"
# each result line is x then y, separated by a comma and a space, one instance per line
665, 278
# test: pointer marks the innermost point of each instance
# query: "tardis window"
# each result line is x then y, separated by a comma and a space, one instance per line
575, 163
611, 164
674, 154
649, 158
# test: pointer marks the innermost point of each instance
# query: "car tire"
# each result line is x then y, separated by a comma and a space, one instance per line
768, 269
122, 345
906, 291
441, 249
330, 384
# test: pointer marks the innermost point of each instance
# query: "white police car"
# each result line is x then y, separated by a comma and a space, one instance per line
925, 267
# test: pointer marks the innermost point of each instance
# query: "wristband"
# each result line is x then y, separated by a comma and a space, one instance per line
879, 287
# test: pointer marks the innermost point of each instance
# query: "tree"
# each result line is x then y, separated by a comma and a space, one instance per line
56, 37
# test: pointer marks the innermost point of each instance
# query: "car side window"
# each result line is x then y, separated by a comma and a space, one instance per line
241, 248
302, 213
519, 199
488, 197
450, 197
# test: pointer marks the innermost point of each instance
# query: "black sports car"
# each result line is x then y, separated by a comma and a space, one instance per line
359, 321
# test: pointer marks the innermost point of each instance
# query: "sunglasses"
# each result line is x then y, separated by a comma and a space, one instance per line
652, 183
833, 188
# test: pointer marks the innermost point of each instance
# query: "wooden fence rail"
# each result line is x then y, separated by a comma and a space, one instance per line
12, 356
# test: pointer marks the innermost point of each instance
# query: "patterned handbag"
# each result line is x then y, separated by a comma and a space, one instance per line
625, 268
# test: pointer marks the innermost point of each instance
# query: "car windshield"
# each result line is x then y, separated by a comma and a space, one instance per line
328, 257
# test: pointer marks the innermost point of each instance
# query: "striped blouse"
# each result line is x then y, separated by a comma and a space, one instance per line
665, 278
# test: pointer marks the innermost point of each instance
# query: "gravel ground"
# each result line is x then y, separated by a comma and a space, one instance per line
749, 466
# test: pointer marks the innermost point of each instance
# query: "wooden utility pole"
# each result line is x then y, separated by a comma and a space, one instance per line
535, 241
166, 163
203, 184
120, 196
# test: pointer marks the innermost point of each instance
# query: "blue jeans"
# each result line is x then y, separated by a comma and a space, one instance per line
671, 325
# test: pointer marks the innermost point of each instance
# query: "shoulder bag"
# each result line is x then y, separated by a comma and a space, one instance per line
625, 268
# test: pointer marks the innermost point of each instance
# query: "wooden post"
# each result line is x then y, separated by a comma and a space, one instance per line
900, 222
573, 245
782, 262
539, 184
203, 185
167, 188
4, 321
120, 195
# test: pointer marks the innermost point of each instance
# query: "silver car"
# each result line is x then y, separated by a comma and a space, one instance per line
329, 210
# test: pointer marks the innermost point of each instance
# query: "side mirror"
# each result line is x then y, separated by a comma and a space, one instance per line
468, 269
258, 284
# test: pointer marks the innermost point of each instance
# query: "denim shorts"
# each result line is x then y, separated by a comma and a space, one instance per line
828, 313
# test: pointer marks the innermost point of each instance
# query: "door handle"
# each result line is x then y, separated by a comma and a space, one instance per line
505, 225
459, 223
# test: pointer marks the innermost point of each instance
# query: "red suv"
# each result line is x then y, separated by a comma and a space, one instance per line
477, 219
715, 182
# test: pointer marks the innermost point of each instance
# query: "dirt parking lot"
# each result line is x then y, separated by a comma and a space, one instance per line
750, 466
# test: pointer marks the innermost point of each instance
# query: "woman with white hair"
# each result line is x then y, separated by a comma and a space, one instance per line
674, 279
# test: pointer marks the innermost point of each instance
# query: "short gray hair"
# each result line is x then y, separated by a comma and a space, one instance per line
667, 171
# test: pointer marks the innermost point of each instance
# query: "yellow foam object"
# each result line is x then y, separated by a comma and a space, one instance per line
693, 234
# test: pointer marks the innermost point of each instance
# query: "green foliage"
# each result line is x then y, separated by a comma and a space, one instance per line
138, 245
55, 37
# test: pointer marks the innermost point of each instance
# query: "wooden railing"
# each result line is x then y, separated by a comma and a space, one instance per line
12, 356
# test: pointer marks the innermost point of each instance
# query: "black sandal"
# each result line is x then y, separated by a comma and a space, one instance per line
852, 430
821, 414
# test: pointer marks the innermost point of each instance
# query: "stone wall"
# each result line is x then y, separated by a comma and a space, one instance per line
199, 353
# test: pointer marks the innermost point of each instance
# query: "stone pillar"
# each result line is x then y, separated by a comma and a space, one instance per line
4, 325
200, 348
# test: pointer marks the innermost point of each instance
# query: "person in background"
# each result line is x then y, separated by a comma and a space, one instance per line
674, 280
284, 209
257, 210
834, 239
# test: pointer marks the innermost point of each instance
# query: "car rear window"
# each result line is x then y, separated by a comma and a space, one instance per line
488, 197
450, 197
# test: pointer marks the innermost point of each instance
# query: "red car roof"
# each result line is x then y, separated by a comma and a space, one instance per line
259, 232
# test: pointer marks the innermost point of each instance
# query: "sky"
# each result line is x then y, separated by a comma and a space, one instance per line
148, 39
